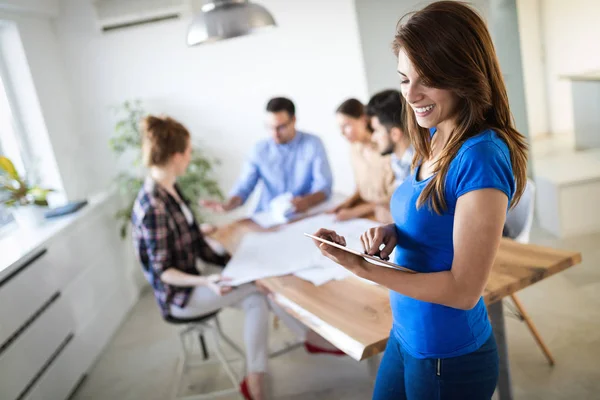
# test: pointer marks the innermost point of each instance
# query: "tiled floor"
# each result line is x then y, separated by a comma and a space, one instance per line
141, 360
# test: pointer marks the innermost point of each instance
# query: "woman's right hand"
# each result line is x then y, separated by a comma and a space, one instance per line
381, 235
218, 284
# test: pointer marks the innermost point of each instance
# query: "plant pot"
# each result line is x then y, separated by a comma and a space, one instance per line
28, 217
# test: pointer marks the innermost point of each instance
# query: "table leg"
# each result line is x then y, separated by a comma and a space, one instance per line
496, 313
373, 365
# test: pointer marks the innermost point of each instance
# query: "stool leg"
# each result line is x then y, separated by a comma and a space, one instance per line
227, 340
221, 356
203, 346
184, 348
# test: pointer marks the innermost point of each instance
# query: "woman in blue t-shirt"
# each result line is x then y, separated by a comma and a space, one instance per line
469, 168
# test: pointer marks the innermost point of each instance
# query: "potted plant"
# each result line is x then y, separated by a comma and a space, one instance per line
126, 143
26, 201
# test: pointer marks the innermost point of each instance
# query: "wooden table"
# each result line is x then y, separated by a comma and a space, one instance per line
356, 317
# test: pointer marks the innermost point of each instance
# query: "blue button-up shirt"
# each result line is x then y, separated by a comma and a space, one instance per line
299, 167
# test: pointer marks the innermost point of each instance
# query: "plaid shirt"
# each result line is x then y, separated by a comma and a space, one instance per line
164, 239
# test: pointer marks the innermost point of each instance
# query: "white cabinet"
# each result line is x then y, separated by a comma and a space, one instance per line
61, 376
24, 292
61, 305
26, 356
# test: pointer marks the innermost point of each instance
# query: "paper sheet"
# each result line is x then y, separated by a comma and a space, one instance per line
326, 270
267, 219
262, 255
287, 251
279, 213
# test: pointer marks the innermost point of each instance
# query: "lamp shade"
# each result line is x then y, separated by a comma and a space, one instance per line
227, 19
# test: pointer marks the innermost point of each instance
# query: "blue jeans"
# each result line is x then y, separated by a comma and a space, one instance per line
471, 376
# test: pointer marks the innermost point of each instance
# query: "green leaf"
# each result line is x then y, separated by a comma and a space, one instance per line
9, 168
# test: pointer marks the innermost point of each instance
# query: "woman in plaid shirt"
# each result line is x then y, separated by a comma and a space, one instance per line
169, 242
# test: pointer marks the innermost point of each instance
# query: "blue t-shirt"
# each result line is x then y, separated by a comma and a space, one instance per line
428, 330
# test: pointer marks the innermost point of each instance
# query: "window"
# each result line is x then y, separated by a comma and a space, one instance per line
10, 145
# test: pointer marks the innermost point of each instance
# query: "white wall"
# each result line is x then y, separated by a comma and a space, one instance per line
377, 20
571, 32
534, 67
44, 7
218, 91
504, 27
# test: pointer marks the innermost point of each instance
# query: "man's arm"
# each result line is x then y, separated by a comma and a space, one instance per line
242, 188
247, 180
303, 203
322, 181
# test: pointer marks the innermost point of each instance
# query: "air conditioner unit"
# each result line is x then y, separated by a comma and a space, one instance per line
119, 14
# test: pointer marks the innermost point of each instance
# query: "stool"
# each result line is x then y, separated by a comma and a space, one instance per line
200, 325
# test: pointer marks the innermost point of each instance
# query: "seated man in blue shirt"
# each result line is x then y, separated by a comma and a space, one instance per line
289, 162
385, 112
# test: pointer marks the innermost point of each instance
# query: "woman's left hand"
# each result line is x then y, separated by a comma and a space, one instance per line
351, 262
218, 284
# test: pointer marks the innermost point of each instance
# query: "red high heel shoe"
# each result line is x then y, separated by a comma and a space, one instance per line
245, 390
311, 348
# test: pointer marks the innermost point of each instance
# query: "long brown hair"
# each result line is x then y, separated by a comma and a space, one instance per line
451, 48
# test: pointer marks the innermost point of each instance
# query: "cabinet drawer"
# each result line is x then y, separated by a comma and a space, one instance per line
61, 376
23, 293
23, 359
89, 291
95, 335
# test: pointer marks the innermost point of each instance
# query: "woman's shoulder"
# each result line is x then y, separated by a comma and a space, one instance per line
148, 200
485, 145
483, 161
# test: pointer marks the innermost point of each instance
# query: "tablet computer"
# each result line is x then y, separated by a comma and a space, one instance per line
368, 257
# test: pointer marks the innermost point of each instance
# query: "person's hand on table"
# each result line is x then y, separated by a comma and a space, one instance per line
374, 238
207, 229
213, 205
344, 214
355, 264
300, 204
220, 206
337, 208
217, 283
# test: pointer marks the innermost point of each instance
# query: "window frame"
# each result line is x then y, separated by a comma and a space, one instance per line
23, 160
25, 157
